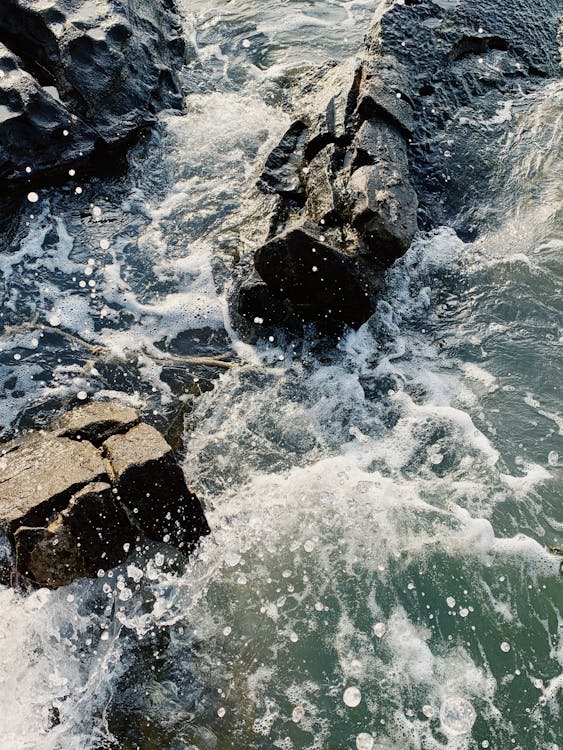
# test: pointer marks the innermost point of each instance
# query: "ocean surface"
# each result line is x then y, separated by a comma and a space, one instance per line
377, 576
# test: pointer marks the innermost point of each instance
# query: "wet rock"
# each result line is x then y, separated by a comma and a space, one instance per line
399, 139
153, 489
75, 500
39, 474
280, 173
79, 78
319, 281
96, 421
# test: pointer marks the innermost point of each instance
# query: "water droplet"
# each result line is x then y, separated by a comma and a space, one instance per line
32, 197
221, 712
504, 646
54, 320
81, 395
379, 629
457, 716
463, 612
319, 606
104, 244
104, 636
227, 630
246, 43
352, 697
364, 741
450, 601
293, 637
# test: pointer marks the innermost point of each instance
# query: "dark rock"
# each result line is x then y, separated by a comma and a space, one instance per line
96, 421
81, 77
260, 305
152, 487
280, 173
321, 282
373, 145
68, 510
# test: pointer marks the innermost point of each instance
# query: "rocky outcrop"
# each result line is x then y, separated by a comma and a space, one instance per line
77, 499
79, 78
385, 143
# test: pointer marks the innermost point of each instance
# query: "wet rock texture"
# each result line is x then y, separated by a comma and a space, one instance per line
383, 146
79, 78
77, 499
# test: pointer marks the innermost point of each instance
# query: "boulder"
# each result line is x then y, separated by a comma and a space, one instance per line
391, 138
153, 489
79, 78
77, 499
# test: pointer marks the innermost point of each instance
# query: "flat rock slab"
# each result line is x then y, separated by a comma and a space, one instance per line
75, 500
96, 422
153, 488
39, 474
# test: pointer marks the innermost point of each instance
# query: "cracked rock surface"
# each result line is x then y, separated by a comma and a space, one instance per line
77, 499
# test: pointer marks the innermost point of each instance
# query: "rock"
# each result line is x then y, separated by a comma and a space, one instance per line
391, 139
39, 474
145, 470
92, 533
96, 421
80, 78
280, 173
70, 507
320, 282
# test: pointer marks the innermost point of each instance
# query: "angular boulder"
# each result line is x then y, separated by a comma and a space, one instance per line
79, 78
77, 499
387, 142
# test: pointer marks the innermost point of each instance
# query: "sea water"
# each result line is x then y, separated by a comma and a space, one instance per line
377, 576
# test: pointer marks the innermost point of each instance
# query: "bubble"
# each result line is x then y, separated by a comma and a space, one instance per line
309, 545
504, 646
72, 172
54, 320
457, 716
485, 743
232, 559
246, 43
104, 244
32, 197
352, 697
428, 711
379, 629
297, 714
221, 712
258, 321
81, 395
104, 636
364, 741
552, 458
463, 612
450, 601
293, 637
319, 606
227, 630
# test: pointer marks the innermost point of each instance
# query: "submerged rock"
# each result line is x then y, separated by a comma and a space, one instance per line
79, 78
381, 145
77, 499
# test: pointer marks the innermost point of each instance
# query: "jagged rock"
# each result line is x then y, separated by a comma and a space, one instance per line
389, 143
69, 508
145, 470
80, 77
96, 421
280, 173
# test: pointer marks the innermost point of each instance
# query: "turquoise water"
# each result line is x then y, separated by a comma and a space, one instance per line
380, 510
